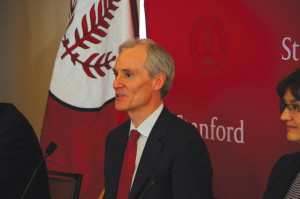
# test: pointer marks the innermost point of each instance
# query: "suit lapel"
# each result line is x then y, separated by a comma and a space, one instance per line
151, 152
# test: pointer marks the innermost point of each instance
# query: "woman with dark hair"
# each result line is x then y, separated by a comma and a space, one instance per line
284, 181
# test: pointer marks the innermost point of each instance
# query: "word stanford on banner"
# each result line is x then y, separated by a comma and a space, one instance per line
220, 132
290, 48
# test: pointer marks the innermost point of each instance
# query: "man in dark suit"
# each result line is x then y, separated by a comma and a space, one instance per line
170, 159
284, 181
20, 153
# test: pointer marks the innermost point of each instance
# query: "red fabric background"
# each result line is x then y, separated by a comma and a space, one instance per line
243, 89
80, 138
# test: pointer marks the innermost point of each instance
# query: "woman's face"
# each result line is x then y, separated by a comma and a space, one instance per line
291, 117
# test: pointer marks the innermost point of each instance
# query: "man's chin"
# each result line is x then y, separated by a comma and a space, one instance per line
120, 108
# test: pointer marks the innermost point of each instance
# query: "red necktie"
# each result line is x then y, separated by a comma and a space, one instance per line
128, 166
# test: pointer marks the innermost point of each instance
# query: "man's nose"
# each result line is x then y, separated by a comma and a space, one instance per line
117, 82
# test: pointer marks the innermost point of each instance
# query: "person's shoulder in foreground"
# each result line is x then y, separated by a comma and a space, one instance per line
20, 154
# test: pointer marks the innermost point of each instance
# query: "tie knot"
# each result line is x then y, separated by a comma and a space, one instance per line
134, 135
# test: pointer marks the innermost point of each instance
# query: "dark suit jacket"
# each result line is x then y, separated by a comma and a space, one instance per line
174, 156
20, 154
282, 176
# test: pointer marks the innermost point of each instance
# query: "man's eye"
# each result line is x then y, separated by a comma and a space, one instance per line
115, 74
128, 75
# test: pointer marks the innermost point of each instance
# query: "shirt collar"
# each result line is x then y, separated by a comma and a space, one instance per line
146, 126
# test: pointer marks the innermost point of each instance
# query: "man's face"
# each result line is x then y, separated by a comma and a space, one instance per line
133, 86
291, 118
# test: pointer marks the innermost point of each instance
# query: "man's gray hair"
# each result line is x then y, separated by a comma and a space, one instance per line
158, 61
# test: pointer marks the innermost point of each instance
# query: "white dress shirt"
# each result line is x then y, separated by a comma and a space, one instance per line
144, 129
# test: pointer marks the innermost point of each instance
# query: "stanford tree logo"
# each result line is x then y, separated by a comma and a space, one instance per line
91, 34
209, 44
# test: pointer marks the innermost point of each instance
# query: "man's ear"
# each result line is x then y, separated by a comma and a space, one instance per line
158, 81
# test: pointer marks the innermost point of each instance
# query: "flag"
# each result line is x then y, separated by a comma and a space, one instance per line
80, 110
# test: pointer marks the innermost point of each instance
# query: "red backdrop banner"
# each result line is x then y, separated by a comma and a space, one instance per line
229, 56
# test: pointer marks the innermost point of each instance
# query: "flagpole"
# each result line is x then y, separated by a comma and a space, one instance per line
142, 19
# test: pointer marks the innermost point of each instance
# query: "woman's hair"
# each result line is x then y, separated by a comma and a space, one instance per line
291, 82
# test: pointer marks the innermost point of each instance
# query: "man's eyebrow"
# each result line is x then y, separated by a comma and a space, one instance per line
126, 70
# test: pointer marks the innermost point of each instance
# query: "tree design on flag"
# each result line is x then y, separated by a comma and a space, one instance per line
97, 29
72, 9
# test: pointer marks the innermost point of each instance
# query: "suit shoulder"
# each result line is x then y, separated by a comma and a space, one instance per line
8, 109
122, 127
288, 158
284, 162
183, 128
12, 120
185, 137
294, 155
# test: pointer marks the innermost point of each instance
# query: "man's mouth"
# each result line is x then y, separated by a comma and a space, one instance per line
119, 96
